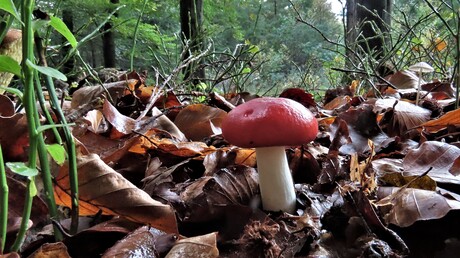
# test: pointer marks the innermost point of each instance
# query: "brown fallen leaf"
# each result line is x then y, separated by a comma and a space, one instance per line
204, 246
102, 188
411, 205
143, 242
199, 121
436, 155
401, 116
206, 197
450, 118
51, 250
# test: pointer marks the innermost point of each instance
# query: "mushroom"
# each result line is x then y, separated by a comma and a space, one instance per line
268, 125
420, 68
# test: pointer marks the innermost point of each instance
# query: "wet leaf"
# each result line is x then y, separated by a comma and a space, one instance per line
206, 197
100, 185
436, 155
301, 96
204, 246
199, 121
143, 242
411, 205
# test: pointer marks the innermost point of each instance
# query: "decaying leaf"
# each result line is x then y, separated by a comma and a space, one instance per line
438, 156
411, 205
143, 242
51, 250
204, 246
102, 188
206, 197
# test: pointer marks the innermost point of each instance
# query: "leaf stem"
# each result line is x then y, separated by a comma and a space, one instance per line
3, 203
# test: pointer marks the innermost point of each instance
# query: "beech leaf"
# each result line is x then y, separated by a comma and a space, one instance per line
102, 188
411, 205
438, 156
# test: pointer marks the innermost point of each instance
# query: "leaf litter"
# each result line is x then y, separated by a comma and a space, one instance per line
165, 183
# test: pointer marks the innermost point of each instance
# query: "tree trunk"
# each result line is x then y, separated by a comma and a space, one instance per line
67, 18
191, 19
368, 23
108, 43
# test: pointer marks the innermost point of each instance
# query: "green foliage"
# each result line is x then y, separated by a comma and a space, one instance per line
57, 152
22, 169
49, 71
8, 64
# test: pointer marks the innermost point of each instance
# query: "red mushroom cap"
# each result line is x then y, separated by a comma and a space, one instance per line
266, 122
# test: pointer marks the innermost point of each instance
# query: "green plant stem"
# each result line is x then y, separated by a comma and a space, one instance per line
3, 203
41, 100
70, 143
136, 30
71, 151
25, 216
29, 106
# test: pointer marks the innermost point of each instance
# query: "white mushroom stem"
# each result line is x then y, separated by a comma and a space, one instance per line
275, 180
417, 99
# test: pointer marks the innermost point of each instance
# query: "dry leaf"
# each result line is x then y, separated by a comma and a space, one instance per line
450, 118
411, 205
199, 121
204, 246
102, 188
404, 80
51, 250
401, 116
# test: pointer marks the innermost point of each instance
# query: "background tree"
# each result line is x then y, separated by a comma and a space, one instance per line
192, 34
368, 24
108, 42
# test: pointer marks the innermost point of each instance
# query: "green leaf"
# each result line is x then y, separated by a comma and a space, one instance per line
246, 70
8, 64
57, 152
62, 28
47, 71
22, 169
8, 6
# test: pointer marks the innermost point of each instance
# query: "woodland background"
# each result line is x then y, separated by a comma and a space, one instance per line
112, 122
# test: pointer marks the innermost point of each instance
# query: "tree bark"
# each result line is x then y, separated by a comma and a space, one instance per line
191, 19
108, 43
368, 23
67, 18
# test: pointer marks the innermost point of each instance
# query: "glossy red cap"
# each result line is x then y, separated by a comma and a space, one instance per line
266, 122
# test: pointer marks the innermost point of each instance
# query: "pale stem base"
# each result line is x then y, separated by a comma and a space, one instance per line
275, 180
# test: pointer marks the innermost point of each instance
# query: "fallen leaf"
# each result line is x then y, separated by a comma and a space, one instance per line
206, 197
404, 80
411, 205
143, 242
401, 116
51, 250
199, 121
450, 118
204, 246
438, 156
102, 188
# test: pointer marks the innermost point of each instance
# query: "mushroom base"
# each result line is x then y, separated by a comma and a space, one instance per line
275, 180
